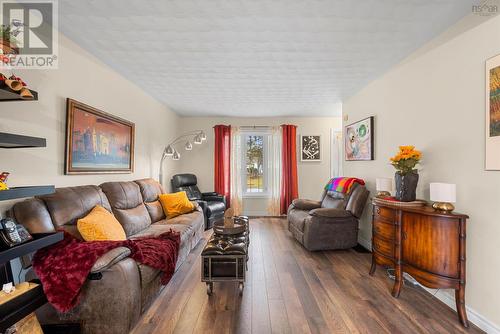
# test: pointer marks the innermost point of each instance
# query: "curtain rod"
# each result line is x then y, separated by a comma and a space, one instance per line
255, 127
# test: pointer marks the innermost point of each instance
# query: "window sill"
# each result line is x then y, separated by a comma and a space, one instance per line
258, 195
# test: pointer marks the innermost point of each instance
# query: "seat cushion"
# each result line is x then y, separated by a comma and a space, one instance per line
148, 273
215, 207
297, 218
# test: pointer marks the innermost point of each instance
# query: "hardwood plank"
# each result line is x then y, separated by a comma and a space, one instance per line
291, 290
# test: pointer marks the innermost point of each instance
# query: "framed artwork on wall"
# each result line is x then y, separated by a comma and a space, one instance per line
97, 142
492, 145
358, 140
310, 148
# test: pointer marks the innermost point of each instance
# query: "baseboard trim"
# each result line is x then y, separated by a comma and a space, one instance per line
365, 243
474, 317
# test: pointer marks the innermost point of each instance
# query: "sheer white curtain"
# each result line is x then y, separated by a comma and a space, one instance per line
274, 170
236, 165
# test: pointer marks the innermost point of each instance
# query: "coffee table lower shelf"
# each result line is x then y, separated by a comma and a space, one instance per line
223, 268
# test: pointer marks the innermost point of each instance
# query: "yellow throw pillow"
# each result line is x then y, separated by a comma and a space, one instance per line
99, 225
176, 204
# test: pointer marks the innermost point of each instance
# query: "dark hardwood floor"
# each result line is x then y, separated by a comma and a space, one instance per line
291, 290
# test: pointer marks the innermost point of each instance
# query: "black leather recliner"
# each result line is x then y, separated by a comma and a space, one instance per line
213, 204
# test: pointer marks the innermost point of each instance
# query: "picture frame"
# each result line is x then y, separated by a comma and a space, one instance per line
358, 140
310, 148
97, 142
492, 114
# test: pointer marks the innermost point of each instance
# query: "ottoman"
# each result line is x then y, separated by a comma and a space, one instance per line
224, 258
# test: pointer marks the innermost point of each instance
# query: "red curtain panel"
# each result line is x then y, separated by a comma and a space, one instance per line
289, 180
222, 151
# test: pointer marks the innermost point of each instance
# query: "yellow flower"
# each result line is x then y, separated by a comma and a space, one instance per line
407, 148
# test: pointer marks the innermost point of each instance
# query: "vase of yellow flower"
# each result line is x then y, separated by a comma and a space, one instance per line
406, 176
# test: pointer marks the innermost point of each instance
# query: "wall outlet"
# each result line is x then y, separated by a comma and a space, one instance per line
345, 118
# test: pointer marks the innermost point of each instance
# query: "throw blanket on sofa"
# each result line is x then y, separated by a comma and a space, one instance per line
63, 267
342, 184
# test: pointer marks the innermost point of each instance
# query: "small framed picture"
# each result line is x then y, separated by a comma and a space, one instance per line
310, 148
492, 118
358, 140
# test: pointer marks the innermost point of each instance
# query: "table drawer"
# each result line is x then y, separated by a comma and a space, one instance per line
383, 229
383, 246
386, 213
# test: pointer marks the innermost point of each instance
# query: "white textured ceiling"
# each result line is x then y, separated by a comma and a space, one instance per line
252, 58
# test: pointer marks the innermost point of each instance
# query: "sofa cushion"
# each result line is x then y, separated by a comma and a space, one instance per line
150, 190
176, 204
187, 232
67, 205
99, 225
127, 205
194, 219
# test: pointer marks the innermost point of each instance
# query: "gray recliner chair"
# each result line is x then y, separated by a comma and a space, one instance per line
331, 223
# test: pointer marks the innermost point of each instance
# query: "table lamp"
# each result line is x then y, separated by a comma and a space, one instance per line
384, 186
443, 195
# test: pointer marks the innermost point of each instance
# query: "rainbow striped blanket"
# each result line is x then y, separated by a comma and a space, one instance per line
342, 184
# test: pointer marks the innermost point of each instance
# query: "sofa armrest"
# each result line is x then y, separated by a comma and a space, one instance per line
330, 213
109, 259
210, 193
306, 204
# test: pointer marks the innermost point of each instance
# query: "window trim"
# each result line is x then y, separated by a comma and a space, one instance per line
265, 164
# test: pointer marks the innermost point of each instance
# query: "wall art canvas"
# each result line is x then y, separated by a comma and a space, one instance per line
97, 142
310, 148
358, 142
493, 114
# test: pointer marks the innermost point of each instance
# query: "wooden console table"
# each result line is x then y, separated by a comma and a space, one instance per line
426, 243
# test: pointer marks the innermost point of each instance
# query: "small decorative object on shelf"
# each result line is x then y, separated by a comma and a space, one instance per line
384, 186
3, 181
443, 195
17, 85
406, 176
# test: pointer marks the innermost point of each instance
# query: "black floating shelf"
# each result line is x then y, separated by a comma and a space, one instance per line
10, 140
21, 306
7, 94
22, 192
40, 240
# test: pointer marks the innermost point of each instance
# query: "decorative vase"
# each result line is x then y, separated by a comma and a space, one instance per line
406, 186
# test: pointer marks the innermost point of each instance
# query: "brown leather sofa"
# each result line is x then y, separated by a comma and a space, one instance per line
331, 223
118, 290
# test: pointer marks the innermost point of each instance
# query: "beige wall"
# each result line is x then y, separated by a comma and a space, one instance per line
435, 101
84, 78
312, 175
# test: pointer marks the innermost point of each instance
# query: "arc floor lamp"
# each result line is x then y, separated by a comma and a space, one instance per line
197, 137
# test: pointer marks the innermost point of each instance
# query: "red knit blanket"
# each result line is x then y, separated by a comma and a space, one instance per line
63, 267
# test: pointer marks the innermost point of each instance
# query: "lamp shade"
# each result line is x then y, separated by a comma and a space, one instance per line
384, 184
443, 192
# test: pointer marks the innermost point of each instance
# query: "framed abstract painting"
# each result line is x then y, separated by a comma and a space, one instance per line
492, 145
310, 148
97, 142
358, 140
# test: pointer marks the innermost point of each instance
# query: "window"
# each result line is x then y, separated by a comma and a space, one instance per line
254, 178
